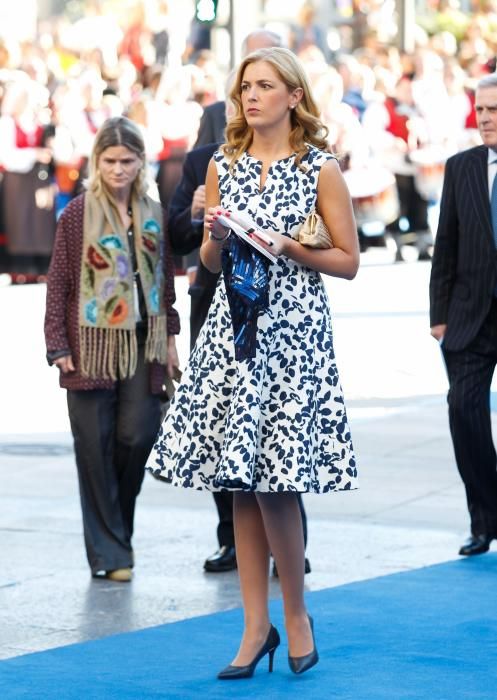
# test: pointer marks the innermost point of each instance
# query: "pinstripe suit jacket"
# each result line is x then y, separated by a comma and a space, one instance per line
464, 270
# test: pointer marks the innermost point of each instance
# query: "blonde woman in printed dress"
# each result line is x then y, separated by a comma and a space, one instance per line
260, 409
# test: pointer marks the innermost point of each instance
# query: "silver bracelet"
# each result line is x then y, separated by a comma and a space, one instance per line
217, 238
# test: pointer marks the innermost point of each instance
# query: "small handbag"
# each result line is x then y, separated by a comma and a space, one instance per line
314, 232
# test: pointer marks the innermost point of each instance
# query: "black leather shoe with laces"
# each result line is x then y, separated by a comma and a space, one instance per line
222, 560
477, 544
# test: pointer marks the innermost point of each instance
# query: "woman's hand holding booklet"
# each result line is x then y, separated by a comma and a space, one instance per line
247, 230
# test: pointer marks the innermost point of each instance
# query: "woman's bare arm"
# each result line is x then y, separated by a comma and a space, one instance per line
210, 250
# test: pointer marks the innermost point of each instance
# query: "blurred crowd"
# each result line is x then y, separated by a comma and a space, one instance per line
393, 116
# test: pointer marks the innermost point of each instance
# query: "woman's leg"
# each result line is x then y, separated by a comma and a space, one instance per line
283, 527
137, 424
92, 416
252, 555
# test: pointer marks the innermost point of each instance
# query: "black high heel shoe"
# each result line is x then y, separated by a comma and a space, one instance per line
269, 647
300, 664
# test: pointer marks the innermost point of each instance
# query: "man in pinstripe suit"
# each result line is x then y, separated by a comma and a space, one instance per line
463, 313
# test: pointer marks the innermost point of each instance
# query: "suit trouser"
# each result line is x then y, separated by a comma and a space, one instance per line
114, 431
225, 532
412, 205
470, 374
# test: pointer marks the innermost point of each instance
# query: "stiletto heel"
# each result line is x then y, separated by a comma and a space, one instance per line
269, 647
271, 657
300, 664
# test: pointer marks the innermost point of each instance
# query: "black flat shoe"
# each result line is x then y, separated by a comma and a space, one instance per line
300, 664
222, 560
477, 544
232, 673
307, 569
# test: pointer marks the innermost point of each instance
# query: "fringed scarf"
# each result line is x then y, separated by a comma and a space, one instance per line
107, 327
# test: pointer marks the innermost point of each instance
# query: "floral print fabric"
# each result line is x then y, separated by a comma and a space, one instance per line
277, 421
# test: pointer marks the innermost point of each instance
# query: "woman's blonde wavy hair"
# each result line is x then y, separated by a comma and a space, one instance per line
306, 126
117, 131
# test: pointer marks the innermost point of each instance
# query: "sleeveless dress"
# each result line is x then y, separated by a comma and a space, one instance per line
277, 421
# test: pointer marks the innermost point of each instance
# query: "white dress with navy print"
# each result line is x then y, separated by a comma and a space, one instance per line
276, 422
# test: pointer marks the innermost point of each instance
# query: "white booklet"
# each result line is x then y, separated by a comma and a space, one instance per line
242, 227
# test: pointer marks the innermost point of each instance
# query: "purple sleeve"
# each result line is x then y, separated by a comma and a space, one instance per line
58, 286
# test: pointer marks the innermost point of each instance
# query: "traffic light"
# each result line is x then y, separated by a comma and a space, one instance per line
205, 10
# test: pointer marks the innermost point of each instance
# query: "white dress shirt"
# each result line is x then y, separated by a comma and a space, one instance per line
492, 170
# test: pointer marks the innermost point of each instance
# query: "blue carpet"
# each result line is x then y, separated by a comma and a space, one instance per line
429, 633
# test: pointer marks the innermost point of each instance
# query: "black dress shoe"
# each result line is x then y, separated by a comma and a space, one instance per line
222, 560
307, 569
477, 544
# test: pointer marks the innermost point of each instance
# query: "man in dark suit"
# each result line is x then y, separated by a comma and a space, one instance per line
212, 124
463, 313
186, 227
185, 234
213, 120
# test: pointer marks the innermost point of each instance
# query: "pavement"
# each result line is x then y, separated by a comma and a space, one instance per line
409, 512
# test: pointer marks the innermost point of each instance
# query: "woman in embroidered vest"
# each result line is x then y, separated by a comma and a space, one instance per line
261, 392
110, 329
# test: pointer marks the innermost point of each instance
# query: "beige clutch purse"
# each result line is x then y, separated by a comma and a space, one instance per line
314, 232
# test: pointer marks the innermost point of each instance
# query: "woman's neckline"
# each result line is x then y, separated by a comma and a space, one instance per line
276, 160
261, 186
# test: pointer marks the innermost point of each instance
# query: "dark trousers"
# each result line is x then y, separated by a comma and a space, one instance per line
470, 374
412, 205
224, 504
114, 431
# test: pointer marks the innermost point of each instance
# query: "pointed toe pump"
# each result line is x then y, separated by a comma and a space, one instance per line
231, 673
301, 664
